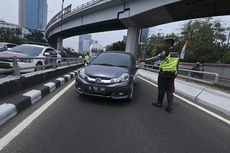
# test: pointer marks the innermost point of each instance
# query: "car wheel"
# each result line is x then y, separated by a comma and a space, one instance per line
38, 68
130, 98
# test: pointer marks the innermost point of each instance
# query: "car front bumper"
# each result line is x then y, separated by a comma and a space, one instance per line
114, 91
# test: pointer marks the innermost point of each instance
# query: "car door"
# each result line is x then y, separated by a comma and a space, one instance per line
49, 54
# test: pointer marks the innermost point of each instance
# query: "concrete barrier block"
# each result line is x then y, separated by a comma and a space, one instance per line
7, 111
34, 95
51, 85
68, 76
62, 80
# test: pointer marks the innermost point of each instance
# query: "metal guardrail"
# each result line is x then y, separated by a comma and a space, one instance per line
13, 64
199, 76
63, 14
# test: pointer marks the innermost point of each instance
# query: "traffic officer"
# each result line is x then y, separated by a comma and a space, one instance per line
167, 73
86, 58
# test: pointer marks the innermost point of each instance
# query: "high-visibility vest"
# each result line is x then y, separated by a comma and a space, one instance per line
86, 58
170, 62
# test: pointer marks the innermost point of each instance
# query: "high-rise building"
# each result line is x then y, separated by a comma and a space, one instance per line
21, 13
33, 14
144, 34
84, 43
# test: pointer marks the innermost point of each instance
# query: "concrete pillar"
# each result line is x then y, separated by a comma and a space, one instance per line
132, 40
59, 43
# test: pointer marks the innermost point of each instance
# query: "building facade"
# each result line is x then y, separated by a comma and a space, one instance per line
12, 29
144, 34
33, 14
84, 43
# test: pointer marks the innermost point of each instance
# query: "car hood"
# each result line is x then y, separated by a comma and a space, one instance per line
105, 71
11, 54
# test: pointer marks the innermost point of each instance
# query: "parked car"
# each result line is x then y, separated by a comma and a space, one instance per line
35, 51
6, 46
110, 74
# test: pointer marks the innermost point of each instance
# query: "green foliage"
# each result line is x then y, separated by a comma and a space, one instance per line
70, 52
206, 39
10, 35
206, 42
118, 46
36, 36
226, 58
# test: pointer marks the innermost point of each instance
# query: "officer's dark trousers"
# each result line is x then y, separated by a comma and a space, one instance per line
166, 85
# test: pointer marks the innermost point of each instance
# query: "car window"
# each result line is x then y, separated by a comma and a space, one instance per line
28, 50
10, 45
113, 59
51, 52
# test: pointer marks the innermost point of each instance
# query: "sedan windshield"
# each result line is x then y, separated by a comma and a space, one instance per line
31, 51
113, 59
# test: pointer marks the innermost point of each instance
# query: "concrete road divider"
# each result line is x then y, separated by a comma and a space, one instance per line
15, 105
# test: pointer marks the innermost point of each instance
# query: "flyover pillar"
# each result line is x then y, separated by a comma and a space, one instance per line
132, 40
59, 43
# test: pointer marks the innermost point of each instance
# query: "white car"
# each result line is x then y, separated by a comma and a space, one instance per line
35, 51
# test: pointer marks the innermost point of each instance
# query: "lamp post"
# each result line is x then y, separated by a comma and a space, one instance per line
228, 35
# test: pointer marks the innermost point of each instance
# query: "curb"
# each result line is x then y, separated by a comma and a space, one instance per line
200, 96
12, 106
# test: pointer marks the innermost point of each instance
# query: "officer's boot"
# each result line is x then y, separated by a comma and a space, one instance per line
160, 99
170, 101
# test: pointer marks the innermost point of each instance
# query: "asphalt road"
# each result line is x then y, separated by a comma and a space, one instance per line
78, 124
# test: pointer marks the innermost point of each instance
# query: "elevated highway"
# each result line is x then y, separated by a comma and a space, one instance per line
107, 15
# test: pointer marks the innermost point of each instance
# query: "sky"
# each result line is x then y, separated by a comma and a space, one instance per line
9, 13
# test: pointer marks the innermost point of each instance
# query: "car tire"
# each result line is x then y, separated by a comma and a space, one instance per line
38, 68
130, 98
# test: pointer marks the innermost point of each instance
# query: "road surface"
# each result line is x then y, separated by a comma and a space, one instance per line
80, 124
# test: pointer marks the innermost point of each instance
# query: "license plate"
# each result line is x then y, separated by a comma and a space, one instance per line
96, 89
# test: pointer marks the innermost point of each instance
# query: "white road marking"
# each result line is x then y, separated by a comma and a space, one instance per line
194, 105
4, 141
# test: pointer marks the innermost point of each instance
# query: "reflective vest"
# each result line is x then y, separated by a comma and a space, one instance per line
86, 57
170, 62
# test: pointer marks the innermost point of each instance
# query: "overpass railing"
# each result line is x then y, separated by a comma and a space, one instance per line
17, 65
198, 76
68, 12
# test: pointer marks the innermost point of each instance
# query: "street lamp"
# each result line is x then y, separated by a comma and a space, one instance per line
228, 35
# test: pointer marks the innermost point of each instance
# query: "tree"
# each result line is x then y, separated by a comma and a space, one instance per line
35, 36
118, 46
226, 57
155, 44
206, 39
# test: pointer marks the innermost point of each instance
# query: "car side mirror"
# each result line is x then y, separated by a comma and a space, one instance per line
47, 54
137, 67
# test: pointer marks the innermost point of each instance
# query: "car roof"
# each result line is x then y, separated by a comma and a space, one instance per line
118, 52
5, 43
32, 45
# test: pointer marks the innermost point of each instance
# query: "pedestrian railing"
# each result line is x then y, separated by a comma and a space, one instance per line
199, 76
17, 65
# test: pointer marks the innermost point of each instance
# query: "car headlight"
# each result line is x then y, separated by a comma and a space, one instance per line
82, 73
123, 78
26, 60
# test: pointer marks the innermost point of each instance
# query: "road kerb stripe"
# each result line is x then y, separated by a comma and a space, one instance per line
51, 85
34, 95
4, 141
193, 104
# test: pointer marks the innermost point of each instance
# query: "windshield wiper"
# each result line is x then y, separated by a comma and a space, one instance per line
123, 66
103, 64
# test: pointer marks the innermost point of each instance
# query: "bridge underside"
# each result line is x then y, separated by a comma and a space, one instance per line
183, 10
177, 11
92, 28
